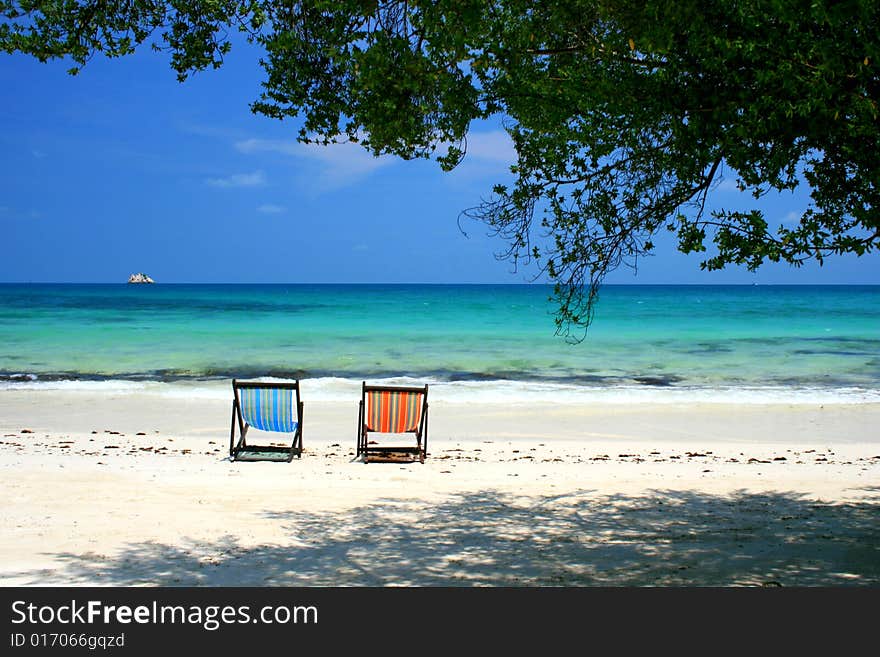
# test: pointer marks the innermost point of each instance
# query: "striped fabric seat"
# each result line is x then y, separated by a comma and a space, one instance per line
268, 409
393, 411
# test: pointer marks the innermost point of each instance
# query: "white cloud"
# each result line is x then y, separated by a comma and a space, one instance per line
791, 219
255, 179
271, 208
489, 147
268, 145
488, 157
727, 185
335, 166
493, 146
338, 165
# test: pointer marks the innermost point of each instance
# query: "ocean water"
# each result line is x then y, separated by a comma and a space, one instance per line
474, 342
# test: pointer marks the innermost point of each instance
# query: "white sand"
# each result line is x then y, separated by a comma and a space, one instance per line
653, 494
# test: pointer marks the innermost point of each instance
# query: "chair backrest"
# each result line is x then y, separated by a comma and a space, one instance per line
268, 406
393, 409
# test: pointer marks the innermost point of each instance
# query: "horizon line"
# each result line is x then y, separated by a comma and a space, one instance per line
126, 283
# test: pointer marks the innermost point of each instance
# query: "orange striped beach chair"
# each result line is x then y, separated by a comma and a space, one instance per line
271, 407
393, 410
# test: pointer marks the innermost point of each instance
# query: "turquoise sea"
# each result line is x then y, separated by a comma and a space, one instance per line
755, 343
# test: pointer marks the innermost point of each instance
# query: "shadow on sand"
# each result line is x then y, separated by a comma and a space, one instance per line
665, 538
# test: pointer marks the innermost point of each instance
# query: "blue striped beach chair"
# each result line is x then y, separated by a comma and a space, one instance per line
274, 407
393, 410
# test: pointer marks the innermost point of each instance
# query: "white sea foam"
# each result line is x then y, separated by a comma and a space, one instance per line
76, 385
331, 389
511, 392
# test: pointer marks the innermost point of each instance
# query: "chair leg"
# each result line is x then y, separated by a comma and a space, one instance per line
297, 443
232, 432
292, 449
299, 433
360, 428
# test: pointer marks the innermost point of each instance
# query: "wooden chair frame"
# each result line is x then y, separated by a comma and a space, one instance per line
420, 449
236, 449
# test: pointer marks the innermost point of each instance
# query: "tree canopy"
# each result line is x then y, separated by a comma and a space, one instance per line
624, 114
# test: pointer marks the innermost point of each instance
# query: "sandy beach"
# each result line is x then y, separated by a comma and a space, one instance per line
137, 489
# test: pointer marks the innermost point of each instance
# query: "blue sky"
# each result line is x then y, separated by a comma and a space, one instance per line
122, 169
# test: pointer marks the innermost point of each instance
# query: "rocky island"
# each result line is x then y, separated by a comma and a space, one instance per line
140, 278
